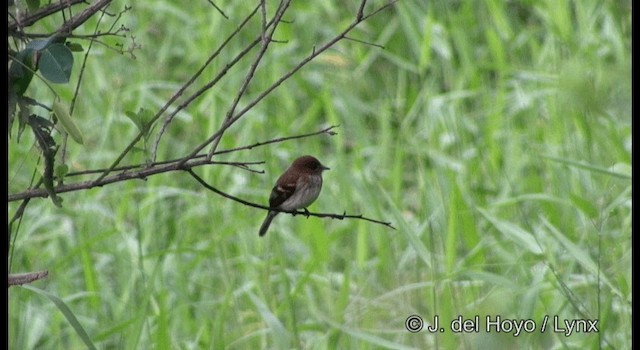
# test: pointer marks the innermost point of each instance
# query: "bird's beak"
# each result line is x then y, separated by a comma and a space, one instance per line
325, 167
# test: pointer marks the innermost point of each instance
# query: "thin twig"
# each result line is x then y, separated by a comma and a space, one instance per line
266, 40
297, 212
327, 131
280, 139
179, 93
82, 17
79, 36
263, 6
223, 72
63, 152
217, 8
286, 76
215, 80
360, 13
364, 42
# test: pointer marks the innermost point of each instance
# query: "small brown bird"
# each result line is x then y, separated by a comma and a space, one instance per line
297, 188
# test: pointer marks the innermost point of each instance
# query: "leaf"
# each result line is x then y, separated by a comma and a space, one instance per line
68, 314
135, 119
67, 123
21, 71
33, 5
594, 168
586, 206
61, 171
520, 236
281, 335
74, 47
39, 44
142, 120
24, 113
56, 63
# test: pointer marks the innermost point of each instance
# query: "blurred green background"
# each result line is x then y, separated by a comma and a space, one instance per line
494, 135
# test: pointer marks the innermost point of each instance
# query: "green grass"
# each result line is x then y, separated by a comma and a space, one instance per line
494, 135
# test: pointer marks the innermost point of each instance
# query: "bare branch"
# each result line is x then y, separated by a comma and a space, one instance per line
327, 131
189, 100
285, 77
364, 42
360, 13
297, 212
263, 7
77, 89
79, 19
124, 176
217, 8
223, 72
145, 170
281, 139
24, 278
41, 13
266, 40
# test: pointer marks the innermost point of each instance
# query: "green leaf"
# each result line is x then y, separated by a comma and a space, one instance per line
74, 47
68, 314
23, 115
520, 236
38, 44
61, 171
586, 206
134, 118
593, 168
67, 123
142, 120
33, 5
21, 71
281, 335
56, 63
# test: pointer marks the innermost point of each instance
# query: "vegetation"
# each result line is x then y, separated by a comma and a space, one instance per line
495, 136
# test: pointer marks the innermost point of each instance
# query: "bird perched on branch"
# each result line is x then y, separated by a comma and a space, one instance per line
296, 188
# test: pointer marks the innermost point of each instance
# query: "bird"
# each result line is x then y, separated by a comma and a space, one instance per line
296, 188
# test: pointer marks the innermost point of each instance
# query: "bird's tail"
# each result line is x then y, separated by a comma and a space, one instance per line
267, 222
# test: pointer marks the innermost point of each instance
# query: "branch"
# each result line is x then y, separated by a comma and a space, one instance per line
230, 150
266, 35
30, 19
179, 93
217, 8
146, 170
79, 19
222, 73
139, 174
306, 213
281, 139
364, 42
288, 75
24, 278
